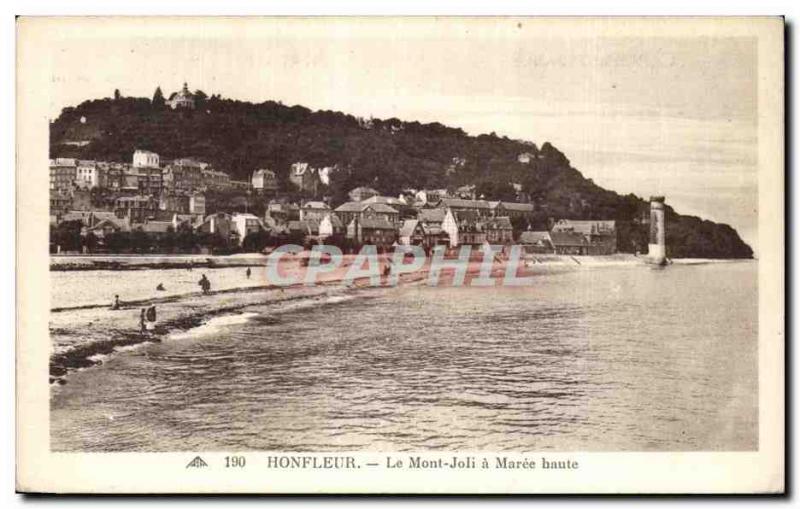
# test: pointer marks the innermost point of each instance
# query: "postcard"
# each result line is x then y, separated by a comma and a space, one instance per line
428, 255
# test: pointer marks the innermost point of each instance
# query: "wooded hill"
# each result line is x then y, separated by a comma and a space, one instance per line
389, 155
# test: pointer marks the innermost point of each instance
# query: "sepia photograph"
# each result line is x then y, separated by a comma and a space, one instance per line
426, 244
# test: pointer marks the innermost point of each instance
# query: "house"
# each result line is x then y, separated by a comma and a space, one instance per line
430, 195
400, 204
135, 208
330, 226
59, 202
88, 175
182, 99
481, 207
463, 228
512, 209
536, 242
145, 159
220, 224
264, 181
600, 235
569, 243
352, 210
314, 210
498, 230
307, 229
412, 233
63, 173
105, 227
215, 179
362, 193
149, 180
304, 177
282, 212
376, 231
245, 224
157, 229
173, 203
183, 176
197, 204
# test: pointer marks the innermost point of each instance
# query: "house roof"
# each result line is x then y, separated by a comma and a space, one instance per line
309, 226
464, 204
590, 227
431, 215
386, 200
521, 207
537, 237
360, 206
409, 225
567, 239
316, 205
362, 189
375, 223
498, 223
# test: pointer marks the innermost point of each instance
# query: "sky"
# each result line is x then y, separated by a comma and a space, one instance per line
650, 115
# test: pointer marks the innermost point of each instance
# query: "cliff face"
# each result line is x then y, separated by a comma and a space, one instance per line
389, 155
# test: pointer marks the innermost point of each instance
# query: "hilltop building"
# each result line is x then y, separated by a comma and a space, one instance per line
182, 99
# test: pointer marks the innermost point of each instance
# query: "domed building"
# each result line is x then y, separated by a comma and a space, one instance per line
182, 99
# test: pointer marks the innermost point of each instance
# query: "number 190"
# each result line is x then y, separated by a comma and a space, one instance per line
234, 461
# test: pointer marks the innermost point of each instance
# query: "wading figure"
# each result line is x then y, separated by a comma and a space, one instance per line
150, 317
248, 272
115, 305
142, 328
205, 284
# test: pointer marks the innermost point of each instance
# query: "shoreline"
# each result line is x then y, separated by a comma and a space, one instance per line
119, 262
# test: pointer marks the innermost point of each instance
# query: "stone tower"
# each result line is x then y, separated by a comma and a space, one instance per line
657, 248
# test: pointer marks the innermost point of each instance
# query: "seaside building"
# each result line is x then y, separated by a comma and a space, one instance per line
536, 242
376, 231
464, 228
498, 230
359, 210
245, 224
600, 237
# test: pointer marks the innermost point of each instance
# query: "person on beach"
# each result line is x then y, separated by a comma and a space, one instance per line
142, 328
248, 273
150, 317
115, 305
205, 284
160, 287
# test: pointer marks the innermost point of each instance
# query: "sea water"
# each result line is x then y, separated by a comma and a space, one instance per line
622, 359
